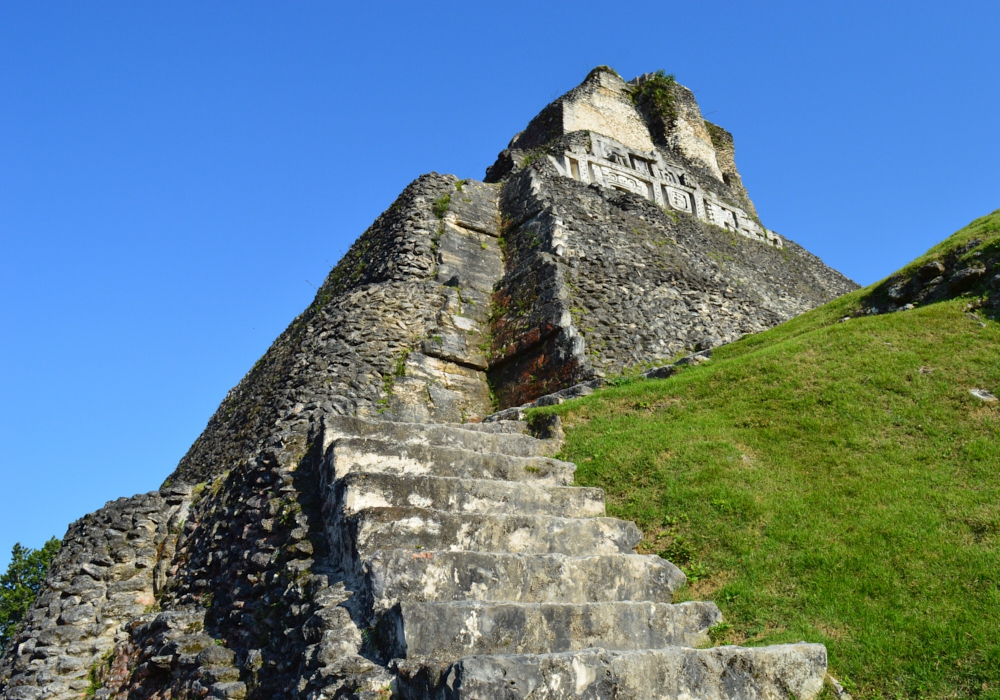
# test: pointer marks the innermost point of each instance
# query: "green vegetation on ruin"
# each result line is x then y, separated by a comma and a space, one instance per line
655, 96
721, 138
832, 481
534, 156
441, 205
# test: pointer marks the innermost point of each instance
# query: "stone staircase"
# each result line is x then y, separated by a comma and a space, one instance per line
478, 571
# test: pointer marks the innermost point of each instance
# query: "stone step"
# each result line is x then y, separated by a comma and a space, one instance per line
347, 455
396, 574
504, 427
359, 490
423, 529
450, 631
502, 438
723, 673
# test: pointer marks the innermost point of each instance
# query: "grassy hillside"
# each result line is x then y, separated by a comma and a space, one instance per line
833, 481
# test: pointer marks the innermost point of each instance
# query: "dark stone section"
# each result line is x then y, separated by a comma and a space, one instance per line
255, 607
535, 349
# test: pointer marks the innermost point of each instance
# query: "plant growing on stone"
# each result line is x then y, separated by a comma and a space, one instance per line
533, 156
400, 369
94, 680
288, 512
20, 584
720, 137
441, 205
322, 300
655, 97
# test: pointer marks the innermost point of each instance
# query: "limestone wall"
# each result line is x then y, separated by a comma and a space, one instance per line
689, 135
725, 153
535, 348
604, 105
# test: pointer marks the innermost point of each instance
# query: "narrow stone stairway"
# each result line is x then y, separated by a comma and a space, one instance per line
483, 573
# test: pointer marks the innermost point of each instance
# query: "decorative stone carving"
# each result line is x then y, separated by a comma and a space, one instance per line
611, 164
678, 199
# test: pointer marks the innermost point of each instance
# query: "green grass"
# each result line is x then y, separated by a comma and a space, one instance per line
826, 481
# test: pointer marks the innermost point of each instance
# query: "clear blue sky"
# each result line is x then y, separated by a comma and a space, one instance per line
176, 178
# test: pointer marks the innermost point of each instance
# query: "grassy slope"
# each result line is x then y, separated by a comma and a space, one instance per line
833, 482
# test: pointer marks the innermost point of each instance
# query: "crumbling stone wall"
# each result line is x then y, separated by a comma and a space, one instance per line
253, 608
600, 103
603, 104
111, 566
647, 286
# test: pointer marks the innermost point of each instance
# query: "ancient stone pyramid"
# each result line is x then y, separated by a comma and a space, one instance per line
366, 515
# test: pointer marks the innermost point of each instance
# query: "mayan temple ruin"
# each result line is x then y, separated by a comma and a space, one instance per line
368, 515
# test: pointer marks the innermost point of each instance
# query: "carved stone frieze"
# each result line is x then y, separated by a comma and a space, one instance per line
611, 164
